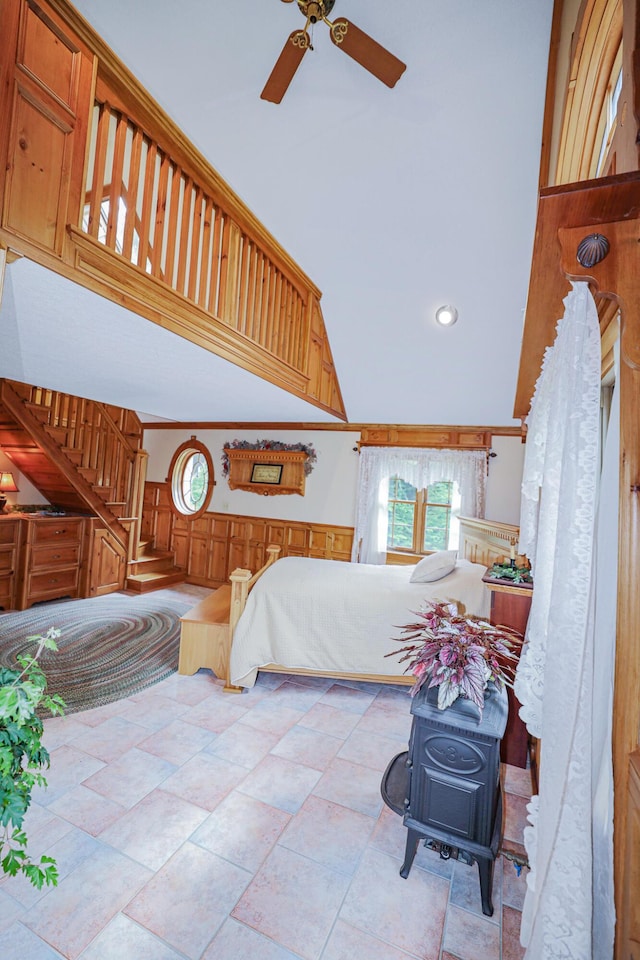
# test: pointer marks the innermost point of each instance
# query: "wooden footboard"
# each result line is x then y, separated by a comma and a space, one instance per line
206, 631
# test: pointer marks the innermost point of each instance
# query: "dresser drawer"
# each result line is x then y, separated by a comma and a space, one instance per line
9, 531
6, 592
61, 554
57, 582
7, 561
55, 531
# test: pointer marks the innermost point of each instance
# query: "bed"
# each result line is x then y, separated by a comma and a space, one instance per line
339, 619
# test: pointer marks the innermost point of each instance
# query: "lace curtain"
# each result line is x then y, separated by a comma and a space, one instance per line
419, 467
555, 679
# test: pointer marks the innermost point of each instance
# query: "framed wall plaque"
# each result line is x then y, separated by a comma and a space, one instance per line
266, 473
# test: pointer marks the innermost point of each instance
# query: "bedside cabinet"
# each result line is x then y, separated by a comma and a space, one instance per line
510, 605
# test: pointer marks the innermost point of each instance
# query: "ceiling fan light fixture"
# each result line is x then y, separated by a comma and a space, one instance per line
446, 316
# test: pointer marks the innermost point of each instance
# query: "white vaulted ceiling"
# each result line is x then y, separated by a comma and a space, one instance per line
394, 202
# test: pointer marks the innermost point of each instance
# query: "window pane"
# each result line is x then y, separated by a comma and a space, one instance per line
402, 498
439, 492
436, 528
400, 532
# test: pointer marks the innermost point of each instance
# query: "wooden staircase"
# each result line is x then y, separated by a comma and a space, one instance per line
152, 569
86, 458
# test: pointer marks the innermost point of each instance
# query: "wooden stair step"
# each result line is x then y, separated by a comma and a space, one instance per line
90, 474
73, 454
154, 579
59, 434
38, 411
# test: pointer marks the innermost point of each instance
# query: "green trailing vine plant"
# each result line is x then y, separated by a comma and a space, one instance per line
23, 697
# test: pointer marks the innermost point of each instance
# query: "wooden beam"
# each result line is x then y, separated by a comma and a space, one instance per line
590, 204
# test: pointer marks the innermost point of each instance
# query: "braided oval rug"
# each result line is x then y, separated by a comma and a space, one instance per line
110, 647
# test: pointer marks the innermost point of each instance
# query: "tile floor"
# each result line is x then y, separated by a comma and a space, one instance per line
190, 824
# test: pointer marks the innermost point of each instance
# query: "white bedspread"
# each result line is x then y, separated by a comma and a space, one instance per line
331, 616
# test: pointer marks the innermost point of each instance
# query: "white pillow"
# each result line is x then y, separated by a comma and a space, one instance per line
434, 567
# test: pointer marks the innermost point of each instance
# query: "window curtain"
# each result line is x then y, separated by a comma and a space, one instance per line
562, 695
419, 467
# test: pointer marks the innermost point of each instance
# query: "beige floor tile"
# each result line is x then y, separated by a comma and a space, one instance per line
348, 698
285, 879
328, 833
155, 828
131, 777
352, 786
387, 723
280, 783
205, 780
348, 943
75, 912
87, 809
236, 941
242, 829
177, 742
369, 749
215, 713
409, 914
187, 901
472, 937
306, 746
514, 817
331, 720
152, 710
517, 780
273, 717
512, 949
109, 740
19, 943
125, 940
69, 767
243, 744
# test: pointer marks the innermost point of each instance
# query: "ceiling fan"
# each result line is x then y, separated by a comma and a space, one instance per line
345, 35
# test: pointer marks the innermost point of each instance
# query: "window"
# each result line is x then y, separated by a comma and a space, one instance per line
191, 478
420, 521
608, 115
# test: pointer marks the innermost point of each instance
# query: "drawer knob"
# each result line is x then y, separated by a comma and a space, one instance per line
53, 579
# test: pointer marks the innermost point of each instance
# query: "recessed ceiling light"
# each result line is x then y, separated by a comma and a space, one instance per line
446, 316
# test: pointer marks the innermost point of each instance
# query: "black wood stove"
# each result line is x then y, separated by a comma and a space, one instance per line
447, 785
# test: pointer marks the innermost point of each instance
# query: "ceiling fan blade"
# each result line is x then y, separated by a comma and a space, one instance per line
366, 51
286, 66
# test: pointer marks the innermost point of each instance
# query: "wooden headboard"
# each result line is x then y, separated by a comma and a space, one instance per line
483, 541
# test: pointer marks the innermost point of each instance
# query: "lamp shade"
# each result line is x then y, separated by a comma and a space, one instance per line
7, 483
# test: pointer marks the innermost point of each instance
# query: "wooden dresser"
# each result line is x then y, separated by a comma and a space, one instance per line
51, 558
10, 529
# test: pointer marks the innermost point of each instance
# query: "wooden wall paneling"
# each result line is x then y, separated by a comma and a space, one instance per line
630, 919
48, 109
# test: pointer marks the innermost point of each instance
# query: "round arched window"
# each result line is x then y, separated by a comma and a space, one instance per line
191, 476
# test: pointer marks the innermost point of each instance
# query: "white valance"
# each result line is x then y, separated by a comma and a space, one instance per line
420, 467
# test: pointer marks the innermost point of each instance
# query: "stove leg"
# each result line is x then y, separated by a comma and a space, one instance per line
413, 839
485, 869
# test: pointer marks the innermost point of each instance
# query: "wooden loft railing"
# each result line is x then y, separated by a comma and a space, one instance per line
99, 184
146, 207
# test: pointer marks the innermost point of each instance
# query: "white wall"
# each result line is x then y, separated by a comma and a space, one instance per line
330, 491
27, 493
504, 480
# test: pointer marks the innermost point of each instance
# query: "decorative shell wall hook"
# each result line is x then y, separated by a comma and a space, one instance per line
592, 250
